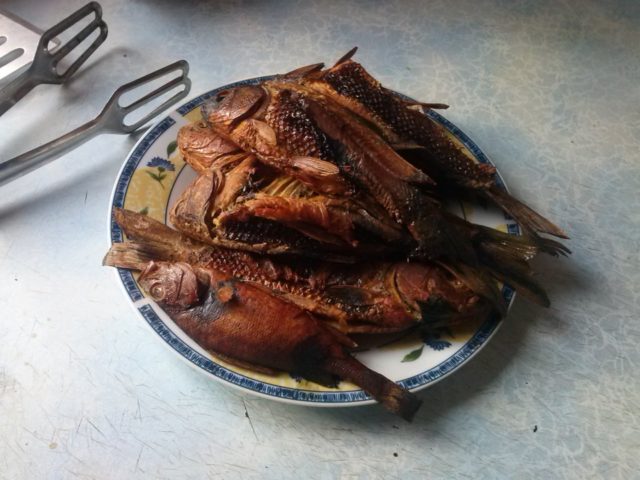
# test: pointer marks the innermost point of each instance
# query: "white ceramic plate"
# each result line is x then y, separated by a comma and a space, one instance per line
150, 181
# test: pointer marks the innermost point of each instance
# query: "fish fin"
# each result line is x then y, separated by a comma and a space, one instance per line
320, 175
129, 255
138, 226
505, 256
165, 242
548, 245
302, 72
421, 105
359, 141
433, 319
315, 165
505, 245
518, 275
392, 396
132, 254
341, 337
524, 215
243, 364
349, 295
192, 211
478, 281
347, 56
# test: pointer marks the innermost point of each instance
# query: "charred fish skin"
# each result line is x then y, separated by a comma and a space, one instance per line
242, 322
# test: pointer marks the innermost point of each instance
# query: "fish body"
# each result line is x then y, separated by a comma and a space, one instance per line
236, 195
403, 124
247, 325
365, 297
365, 160
330, 133
308, 138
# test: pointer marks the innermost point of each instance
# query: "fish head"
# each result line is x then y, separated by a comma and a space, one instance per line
232, 106
171, 283
201, 146
432, 292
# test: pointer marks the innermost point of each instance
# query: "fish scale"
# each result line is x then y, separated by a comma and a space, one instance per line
266, 231
288, 117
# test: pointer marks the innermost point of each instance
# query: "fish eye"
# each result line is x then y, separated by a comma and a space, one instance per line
157, 291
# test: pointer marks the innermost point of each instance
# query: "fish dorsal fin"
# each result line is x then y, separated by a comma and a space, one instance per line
302, 72
346, 56
419, 106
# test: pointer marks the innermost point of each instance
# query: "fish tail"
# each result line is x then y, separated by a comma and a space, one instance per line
127, 255
165, 241
530, 220
520, 277
392, 396
479, 281
505, 257
548, 245
134, 255
141, 227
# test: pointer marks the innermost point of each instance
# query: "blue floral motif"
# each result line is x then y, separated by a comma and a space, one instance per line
163, 166
433, 338
161, 163
437, 344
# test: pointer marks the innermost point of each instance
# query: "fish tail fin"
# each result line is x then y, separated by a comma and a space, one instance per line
152, 239
391, 395
530, 220
135, 255
478, 281
506, 258
548, 245
142, 227
126, 255
149, 231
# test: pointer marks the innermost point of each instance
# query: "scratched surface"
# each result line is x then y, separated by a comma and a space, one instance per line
550, 91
